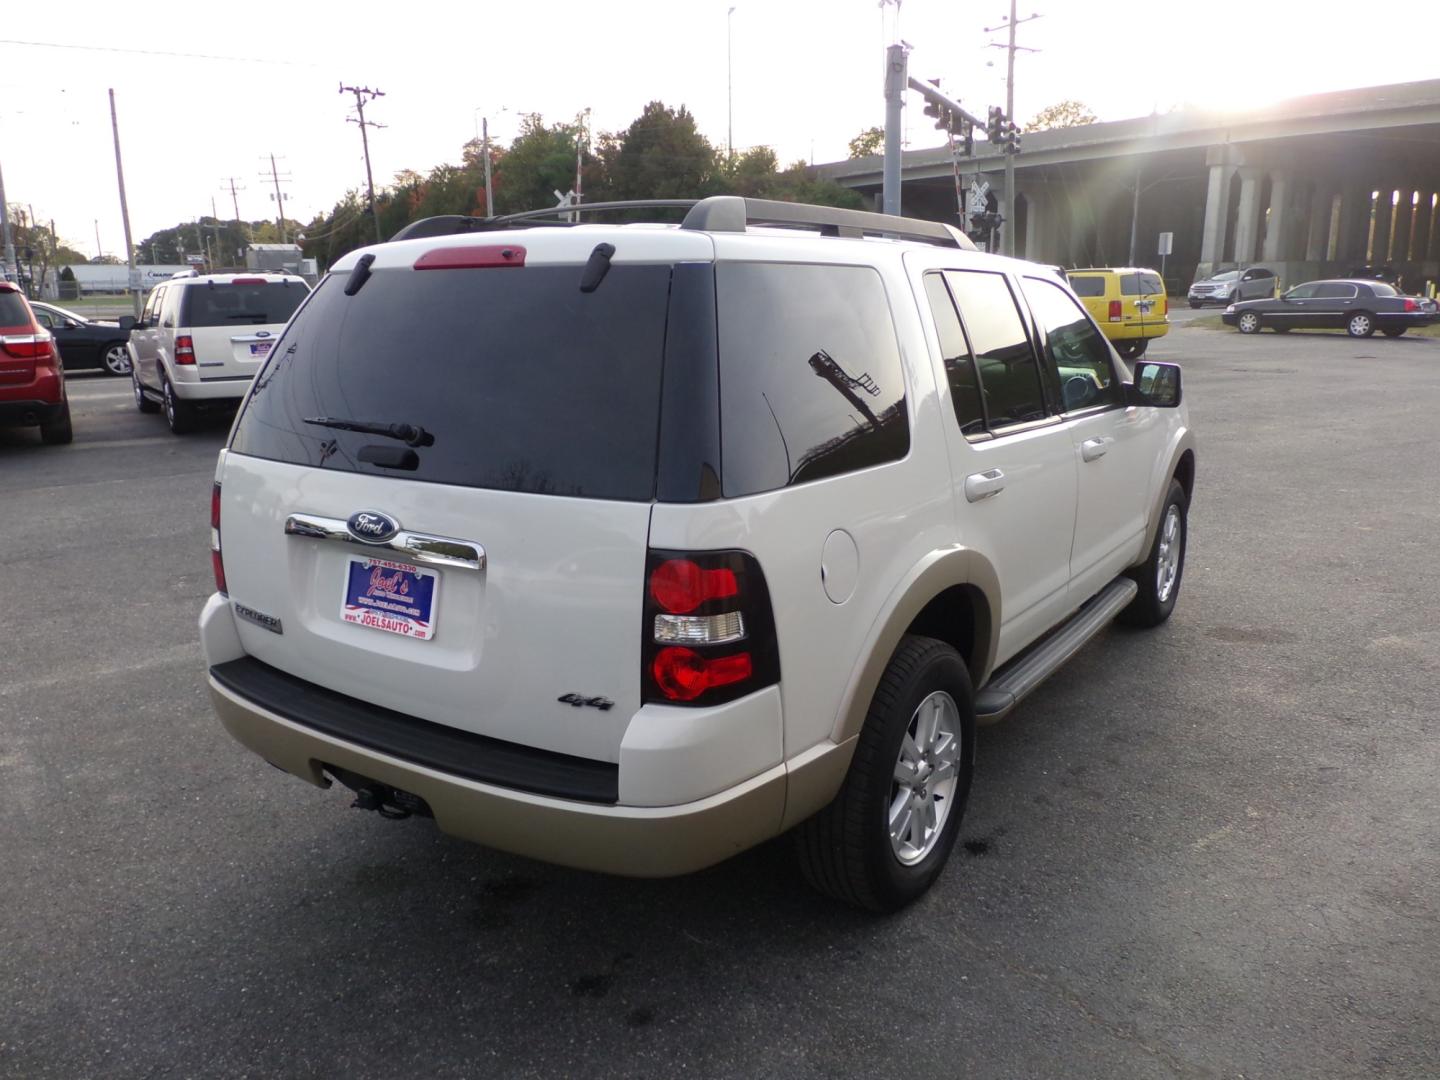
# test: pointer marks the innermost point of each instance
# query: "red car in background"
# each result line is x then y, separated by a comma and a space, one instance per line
32, 382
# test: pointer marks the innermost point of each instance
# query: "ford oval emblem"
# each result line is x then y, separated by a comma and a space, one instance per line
371, 526
262, 333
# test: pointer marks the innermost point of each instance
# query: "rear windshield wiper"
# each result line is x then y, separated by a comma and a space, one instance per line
257, 316
411, 434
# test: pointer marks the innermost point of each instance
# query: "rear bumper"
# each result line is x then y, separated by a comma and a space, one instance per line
1121, 332
30, 413
212, 390
633, 840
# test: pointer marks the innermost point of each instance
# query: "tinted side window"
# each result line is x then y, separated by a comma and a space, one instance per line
1009, 375
1301, 292
13, 311
1130, 285
810, 377
1335, 290
959, 365
1087, 284
1074, 347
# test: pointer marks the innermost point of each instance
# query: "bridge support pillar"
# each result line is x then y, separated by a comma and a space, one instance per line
1317, 236
1278, 229
1404, 208
1422, 250
1247, 219
1384, 220
1217, 213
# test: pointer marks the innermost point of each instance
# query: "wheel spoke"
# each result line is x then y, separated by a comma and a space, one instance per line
909, 752
901, 815
920, 820
906, 773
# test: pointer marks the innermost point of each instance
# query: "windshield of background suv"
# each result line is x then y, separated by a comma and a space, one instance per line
524, 382
1228, 275
241, 305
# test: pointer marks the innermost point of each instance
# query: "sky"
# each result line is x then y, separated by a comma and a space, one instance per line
207, 91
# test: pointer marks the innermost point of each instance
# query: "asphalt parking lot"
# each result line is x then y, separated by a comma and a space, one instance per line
1207, 850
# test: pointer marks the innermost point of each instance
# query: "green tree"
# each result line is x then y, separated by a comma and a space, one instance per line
869, 142
540, 162
661, 155
1063, 114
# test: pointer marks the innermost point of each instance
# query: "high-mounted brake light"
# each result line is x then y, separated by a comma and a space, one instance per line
1115, 311
217, 564
680, 586
247, 281
185, 349
480, 257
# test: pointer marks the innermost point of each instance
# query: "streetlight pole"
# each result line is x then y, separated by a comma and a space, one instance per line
729, 84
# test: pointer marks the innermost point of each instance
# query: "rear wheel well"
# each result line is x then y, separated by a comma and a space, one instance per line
1185, 472
960, 617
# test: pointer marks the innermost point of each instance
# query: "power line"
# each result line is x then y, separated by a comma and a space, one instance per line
152, 52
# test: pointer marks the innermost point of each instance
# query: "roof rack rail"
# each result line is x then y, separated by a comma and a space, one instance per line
718, 213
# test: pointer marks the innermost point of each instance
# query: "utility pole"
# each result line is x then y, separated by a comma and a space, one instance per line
275, 177
10, 258
581, 140
485, 147
896, 78
1007, 233
363, 94
124, 209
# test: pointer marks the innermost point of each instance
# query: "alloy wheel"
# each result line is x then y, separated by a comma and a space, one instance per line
922, 787
1167, 566
117, 360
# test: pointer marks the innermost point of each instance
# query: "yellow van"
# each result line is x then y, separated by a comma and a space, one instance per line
1128, 303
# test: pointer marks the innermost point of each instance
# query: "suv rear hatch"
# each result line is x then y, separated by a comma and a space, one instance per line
234, 324
19, 343
527, 416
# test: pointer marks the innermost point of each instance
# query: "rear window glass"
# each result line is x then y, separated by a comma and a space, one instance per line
524, 382
1379, 288
241, 305
13, 310
1151, 284
810, 377
1090, 285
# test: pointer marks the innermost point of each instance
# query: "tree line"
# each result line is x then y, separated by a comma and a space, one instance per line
661, 155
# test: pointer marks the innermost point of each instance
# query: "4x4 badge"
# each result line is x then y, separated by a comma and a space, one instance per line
577, 700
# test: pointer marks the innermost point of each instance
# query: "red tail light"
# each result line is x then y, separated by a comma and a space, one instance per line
185, 349
1165, 305
680, 586
683, 674
1114, 310
709, 628
28, 346
1411, 304
217, 564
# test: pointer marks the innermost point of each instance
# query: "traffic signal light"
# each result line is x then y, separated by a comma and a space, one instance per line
995, 124
1012, 137
943, 120
965, 144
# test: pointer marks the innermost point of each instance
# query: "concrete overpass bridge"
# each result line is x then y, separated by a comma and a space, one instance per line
1311, 187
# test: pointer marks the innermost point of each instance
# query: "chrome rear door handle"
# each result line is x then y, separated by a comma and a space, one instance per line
984, 485
418, 547
1091, 449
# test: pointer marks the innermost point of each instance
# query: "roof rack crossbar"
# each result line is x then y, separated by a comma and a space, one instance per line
718, 213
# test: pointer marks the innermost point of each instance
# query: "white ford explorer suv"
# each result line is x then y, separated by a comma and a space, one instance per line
202, 337
630, 547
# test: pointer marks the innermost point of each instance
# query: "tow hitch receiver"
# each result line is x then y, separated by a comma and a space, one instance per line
388, 802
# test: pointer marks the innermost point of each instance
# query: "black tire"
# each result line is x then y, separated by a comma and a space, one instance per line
143, 403
1248, 322
59, 431
1393, 331
1195, 304
1281, 329
845, 850
1360, 324
115, 358
1154, 603
179, 415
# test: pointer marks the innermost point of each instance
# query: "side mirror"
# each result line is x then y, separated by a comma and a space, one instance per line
1156, 384
127, 322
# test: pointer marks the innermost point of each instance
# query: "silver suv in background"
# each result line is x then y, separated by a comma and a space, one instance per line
1256, 283
202, 337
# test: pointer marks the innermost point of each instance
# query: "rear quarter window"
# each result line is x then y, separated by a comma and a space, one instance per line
1087, 284
811, 384
13, 310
